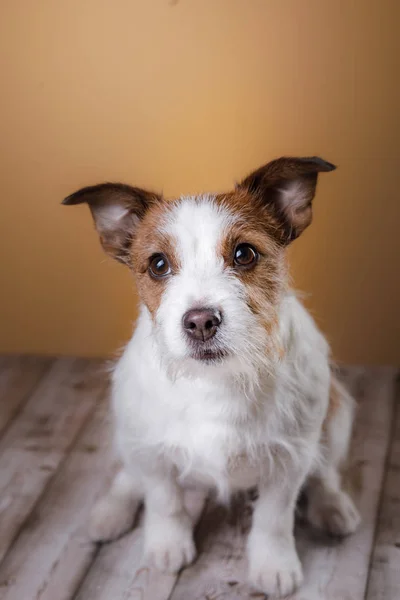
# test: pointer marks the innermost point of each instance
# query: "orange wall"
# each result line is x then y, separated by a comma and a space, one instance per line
187, 96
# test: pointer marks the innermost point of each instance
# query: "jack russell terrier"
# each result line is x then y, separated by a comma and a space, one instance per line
227, 380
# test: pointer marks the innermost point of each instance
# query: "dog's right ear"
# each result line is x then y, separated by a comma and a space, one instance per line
117, 209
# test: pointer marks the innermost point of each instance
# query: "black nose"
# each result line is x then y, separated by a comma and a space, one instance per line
201, 323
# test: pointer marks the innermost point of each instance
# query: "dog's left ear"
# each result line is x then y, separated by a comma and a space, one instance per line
287, 187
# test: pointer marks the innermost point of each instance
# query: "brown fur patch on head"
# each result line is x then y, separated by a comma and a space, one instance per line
266, 280
151, 240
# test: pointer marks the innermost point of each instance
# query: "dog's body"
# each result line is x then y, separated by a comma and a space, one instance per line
227, 380
213, 429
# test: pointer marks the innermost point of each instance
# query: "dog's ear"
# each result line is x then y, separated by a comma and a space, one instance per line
117, 209
287, 187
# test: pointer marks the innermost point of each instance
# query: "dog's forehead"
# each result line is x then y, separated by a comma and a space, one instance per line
197, 224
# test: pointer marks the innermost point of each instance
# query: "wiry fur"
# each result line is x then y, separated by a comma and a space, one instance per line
268, 413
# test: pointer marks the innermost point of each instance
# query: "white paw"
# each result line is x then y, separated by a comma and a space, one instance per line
274, 569
334, 513
169, 544
110, 518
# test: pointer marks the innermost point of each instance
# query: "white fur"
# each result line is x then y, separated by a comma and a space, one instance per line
197, 226
246, 421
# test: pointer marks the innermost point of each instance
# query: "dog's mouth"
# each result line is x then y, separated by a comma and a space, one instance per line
209, 356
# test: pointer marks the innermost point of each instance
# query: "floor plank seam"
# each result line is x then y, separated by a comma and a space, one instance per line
25, 399
78, 587
47, 550
68, 449
394, 412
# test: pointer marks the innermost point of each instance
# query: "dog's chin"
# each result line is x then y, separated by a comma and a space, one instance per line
209, 356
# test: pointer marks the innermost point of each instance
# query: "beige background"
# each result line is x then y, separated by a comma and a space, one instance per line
188, 96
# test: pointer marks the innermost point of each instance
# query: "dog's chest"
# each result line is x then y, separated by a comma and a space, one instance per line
212, 451
213, 439
210, 430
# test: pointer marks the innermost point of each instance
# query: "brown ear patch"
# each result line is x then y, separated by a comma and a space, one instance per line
286, 187
117, 209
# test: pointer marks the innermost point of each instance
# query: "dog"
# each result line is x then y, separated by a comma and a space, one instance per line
227, 381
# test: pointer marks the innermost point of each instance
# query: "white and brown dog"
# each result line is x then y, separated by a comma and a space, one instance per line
226, 380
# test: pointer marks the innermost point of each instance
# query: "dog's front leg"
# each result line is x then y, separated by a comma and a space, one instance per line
274, 567
168, 529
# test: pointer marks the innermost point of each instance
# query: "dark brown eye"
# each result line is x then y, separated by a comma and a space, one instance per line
159, 266
245, 255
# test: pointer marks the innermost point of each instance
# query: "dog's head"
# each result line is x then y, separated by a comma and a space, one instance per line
210, 269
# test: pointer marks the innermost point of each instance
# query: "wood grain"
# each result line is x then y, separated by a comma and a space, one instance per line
19, 375
220, 571
384, 579
35, 444
55, 459
120, 573
57, 525
339, 571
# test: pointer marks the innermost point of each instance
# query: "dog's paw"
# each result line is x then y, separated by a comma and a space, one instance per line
274, 567
110, 518
169, 544
334, 513
277, 576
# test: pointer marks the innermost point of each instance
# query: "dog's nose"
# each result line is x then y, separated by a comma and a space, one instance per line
201, 323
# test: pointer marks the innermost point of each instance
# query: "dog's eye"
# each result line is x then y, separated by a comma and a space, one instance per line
159, 266
245, 255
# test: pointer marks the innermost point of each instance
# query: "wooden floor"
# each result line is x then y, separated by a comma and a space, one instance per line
55, 460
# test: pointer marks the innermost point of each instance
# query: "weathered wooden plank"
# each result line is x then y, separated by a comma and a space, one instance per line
56, 528
333, 571
19, 375
384, 578
221, 569
52, 552
119, 572
34, 445
340, 571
